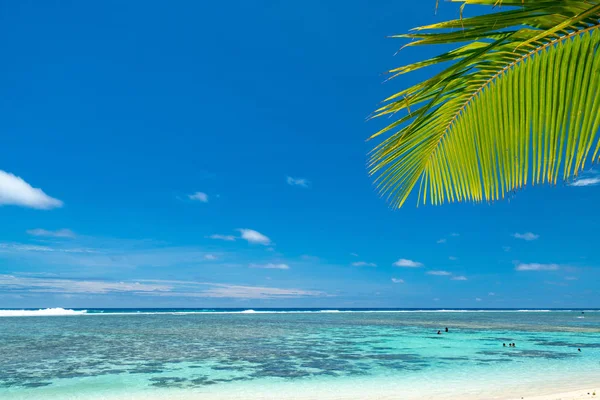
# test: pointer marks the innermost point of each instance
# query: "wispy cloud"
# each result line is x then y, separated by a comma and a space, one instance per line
395, 280
270, 266
506, 248
571, 278
17, 284
305, 183
477, 299
115, 254
60, 233
228, 238
441, 241
255, 237
51, 285
591, 178
211, 257
459, 277
20, 247
354, 254
199, 196
15, 191
529, 236
405, 263
452, 258
537, 267
439, 273
363, 264
257, 292
586, 182
491, 294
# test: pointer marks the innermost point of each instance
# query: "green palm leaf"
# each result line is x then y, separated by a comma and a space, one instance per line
519, 104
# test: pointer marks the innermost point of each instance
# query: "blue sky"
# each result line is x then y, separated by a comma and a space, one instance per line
205, 154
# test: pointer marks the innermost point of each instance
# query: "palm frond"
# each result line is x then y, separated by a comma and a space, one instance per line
519, 104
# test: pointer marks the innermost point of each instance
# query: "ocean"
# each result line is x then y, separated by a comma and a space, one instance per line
186, 354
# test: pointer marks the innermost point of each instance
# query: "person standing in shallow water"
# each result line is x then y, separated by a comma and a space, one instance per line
439, 332
446, 329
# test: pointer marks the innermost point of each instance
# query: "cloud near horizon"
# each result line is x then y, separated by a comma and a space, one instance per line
15, 191
396, 280
403, 262
163, 288
60, 233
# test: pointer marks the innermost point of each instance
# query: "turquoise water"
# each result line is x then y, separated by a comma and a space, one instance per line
230, 354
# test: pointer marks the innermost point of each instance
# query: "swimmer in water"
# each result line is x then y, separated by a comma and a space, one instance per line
439, 332
446, 329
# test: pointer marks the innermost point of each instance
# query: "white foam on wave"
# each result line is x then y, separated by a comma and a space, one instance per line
251, 311
67, 312
46, 312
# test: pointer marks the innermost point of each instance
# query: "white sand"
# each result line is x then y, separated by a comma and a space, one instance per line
574, 395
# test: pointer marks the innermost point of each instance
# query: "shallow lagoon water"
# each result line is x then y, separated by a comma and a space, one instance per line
294, 354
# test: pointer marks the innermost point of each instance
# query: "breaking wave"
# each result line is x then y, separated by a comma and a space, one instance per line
46, 312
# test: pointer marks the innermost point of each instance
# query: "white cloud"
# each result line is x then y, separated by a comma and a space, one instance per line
161, 288
477, 299
452, 258
354, 254
395, 280
270, 266
229, 238
441, 241
403, 262
454, 234
458, 278
210, 257
586, 182
297, 181
254, 237
491, 294
439, 273
46, 285
60, 233
363, 264
254, 292
571, 278
18, 247
15, 191
526, 236
537, 267
199, 196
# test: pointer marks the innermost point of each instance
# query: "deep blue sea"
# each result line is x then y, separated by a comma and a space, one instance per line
295, 353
